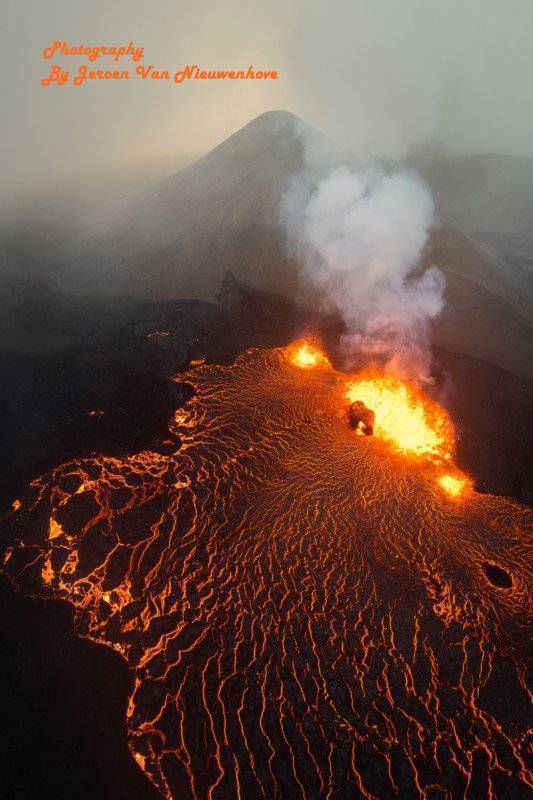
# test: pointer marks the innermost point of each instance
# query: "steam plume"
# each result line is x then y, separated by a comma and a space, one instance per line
358, 237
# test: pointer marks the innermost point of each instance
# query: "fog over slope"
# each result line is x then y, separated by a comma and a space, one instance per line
222, 213
488, 193
186, 232
441, 86
380, 76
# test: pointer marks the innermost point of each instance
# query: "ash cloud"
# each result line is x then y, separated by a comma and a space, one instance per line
358, 236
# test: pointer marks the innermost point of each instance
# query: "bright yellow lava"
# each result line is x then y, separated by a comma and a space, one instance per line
55, 529
404, 416
304, 355
452, 485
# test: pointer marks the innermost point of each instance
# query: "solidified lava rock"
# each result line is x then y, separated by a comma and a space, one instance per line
360, 415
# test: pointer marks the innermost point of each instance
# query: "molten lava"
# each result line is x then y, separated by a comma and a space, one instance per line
405, 417
306, 355
454, 485
304, 613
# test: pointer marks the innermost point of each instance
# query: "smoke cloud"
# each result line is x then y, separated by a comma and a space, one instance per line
358, 237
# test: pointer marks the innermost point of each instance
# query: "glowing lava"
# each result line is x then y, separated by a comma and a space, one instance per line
303, 612
405, 417
453, 484
408, 420
306, 355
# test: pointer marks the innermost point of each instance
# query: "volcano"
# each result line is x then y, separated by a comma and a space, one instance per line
222, 213
307, 612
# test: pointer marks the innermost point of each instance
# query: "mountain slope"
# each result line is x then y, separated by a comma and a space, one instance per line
490, 192
218, 214
221, 214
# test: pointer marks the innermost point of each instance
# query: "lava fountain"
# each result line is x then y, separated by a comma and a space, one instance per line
409, 421
304, 611
406, 418
306, 355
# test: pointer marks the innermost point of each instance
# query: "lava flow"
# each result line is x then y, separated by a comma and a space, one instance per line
306, 612
403, 416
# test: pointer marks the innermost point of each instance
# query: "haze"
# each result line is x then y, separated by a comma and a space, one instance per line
381, 77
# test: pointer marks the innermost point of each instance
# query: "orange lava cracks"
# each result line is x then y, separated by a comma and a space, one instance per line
304, 612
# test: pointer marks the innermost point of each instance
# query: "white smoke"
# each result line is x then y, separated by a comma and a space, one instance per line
358, 237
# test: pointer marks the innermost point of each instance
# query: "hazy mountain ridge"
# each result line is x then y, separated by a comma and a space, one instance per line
194, 226
221, 214
489, 193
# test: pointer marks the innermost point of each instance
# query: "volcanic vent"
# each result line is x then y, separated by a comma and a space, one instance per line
307, 612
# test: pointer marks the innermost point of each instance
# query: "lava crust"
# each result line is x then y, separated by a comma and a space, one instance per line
305, 612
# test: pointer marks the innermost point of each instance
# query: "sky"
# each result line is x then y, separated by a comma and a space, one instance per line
381, 77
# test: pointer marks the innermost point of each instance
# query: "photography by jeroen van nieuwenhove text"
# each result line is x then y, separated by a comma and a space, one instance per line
82, 73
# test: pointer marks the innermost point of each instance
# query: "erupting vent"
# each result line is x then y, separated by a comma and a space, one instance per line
403, 416
306, 356
304, 611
